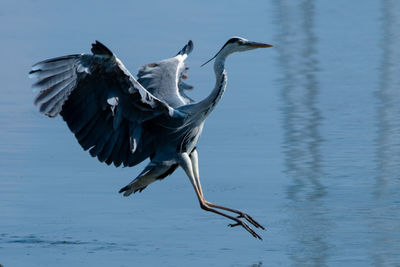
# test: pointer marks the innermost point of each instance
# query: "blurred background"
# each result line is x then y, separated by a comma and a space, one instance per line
306, 138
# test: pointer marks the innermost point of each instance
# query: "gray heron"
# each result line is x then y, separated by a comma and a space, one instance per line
124, 121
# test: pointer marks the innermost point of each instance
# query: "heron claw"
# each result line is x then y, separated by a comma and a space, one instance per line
246, 227
250, 220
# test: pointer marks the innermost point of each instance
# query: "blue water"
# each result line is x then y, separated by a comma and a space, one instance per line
306, 138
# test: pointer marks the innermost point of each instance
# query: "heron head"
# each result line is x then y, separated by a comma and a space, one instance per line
238, 44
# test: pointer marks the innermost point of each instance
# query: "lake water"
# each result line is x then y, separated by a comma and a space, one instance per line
306, 138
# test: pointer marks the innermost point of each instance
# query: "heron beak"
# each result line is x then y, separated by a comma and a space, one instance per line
258, 45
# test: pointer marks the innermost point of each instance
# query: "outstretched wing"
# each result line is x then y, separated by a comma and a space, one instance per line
164, 79
103, 105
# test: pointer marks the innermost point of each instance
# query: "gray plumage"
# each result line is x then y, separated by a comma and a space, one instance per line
124, 121
164, 79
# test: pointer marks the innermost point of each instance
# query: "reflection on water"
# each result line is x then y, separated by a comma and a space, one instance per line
301, 120
388, 146
387, 187
388, 112
299, 93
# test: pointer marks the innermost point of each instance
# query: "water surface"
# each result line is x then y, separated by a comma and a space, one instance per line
306, 138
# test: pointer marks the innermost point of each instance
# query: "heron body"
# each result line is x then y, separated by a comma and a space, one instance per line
124, 121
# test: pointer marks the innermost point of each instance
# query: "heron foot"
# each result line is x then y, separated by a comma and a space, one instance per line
246, 227
250, 220
241, 214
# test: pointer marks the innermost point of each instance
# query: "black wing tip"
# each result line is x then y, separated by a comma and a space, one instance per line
190, 46
34, 71
123, 189
99, 49
187, 49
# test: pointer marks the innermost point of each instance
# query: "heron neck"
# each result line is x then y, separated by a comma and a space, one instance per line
209, 103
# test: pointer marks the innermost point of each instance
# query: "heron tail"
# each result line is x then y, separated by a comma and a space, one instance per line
152, 172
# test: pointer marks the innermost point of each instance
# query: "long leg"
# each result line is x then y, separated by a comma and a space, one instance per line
186, 164
195, 166
194, 158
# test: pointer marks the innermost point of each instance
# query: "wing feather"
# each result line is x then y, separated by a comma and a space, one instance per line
79, 88
105, 153
164, 79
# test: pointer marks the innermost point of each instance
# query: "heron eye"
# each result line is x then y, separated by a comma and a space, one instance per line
240, 42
